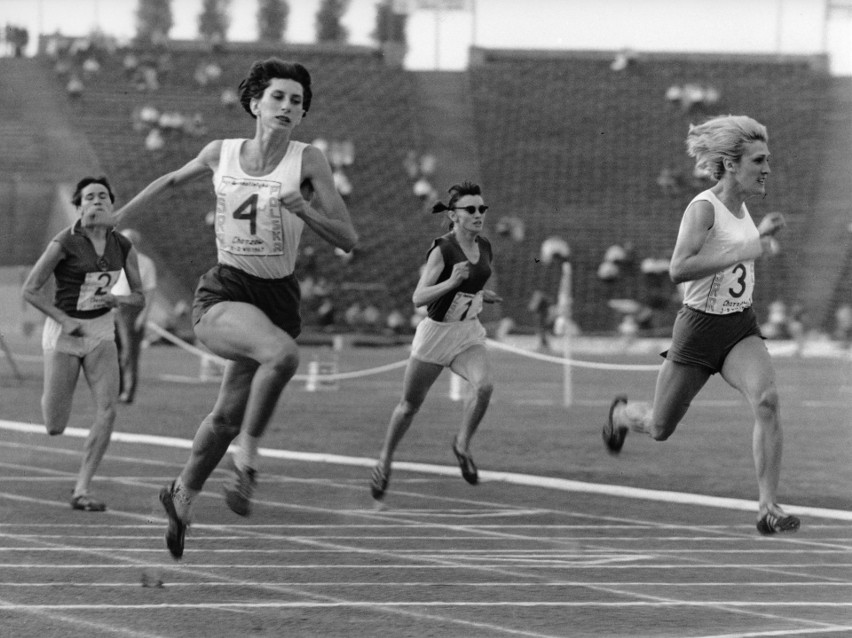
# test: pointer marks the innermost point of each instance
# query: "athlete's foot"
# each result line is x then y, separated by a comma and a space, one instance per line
614, 435
239, 489
775, 521
379, 480
466, 465
176, 531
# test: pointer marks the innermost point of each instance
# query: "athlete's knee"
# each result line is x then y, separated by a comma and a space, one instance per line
661, 430
224, 426
55, 427
409, 407
54, 420
767, 405
284, 358
484, 390
106, 414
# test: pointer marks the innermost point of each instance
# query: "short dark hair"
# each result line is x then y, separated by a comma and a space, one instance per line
77, 198
457, 191
261, 74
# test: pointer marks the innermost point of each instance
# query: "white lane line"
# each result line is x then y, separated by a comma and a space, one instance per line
350, 604
441, 583
566, 485
448, 564
501, 569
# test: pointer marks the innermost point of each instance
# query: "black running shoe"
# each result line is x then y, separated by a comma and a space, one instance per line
86, 503
177, 528
379, 482
239, 489
771, 524
613, 436
466, 465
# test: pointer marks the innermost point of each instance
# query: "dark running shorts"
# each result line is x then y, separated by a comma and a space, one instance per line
702, 339
278, 298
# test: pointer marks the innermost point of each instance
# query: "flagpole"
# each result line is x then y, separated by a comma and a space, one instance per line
473, 23
437, 37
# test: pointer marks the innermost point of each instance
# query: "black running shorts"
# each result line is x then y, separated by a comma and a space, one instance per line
702, 339
278, 298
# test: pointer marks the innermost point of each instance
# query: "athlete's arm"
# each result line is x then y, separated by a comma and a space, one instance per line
134, 280
35, 294
199, 166
427, 290
489, 296
326, 214
690, 260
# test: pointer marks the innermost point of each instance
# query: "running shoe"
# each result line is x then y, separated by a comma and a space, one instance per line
772, 524
177, 528
86, 503
379, 482
240, 488
466, 465
613, 436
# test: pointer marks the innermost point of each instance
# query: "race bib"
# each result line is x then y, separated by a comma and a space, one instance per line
94, 288
464, 306
249, 217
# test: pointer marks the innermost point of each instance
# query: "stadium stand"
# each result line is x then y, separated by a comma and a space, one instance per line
563, 142
354, 93
575, 149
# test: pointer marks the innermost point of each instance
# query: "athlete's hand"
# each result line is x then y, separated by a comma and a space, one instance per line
489, 296
108, 299
294, 202
461, 271
72, 327
771, 224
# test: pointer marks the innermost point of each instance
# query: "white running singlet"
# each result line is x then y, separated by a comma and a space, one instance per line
254, 232
729, 290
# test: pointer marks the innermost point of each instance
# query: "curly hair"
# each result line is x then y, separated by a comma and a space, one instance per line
261, 74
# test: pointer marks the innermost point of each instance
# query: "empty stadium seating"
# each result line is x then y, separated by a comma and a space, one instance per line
564, 142
575, 149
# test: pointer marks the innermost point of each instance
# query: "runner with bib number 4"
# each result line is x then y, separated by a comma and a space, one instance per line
246, 307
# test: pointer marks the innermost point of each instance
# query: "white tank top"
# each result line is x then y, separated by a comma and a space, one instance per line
729, 290
254, 232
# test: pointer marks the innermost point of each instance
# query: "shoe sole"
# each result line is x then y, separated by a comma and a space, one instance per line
379, 485
786, 524
614, 439
235, 501
176, 531
100, 507
463, 460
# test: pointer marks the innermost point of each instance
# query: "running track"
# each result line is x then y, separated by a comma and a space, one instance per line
514, 556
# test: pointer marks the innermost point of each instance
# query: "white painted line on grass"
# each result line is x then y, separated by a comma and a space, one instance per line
515, 478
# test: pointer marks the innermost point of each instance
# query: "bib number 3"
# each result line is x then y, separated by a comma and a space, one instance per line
741, 280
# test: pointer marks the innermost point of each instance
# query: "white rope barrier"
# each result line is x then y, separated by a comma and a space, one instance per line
337, 376
593, 365
168, 336
325, 376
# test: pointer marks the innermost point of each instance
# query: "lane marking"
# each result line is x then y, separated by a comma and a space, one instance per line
515, 478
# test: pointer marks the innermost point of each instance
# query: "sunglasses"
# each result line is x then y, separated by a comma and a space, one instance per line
472, 209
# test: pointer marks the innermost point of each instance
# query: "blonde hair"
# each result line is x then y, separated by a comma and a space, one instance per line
720, 138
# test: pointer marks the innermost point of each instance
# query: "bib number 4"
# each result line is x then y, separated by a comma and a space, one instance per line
248, 210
